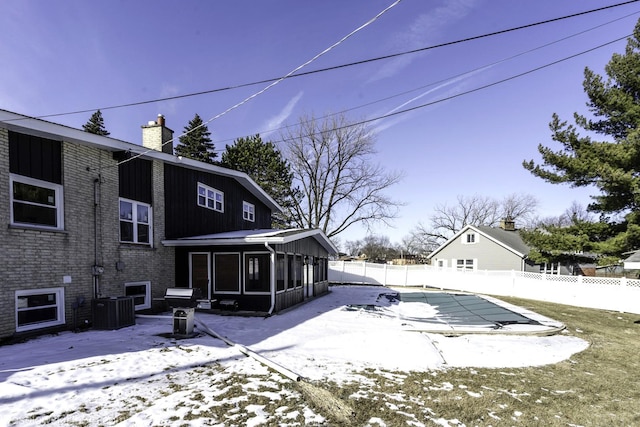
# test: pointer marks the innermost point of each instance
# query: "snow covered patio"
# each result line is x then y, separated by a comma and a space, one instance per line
152, 380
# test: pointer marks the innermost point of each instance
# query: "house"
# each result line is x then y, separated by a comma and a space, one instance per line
492, 248
91, 218
632, 262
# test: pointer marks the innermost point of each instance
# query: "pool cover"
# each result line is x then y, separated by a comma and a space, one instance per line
464, 309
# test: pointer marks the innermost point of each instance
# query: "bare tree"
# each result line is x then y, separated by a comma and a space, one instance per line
341, 185
474, 210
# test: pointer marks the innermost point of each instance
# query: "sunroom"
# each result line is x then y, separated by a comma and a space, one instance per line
262, 271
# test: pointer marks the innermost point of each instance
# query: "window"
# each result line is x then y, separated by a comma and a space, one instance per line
35, 202
135, 222
464, 264
248, 211
257, 277
141, 293
210, 198
298, 267
39, 308
469, 238
291, 272
280, 272
226, 274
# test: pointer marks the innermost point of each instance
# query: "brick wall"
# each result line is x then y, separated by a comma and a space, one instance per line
37, 259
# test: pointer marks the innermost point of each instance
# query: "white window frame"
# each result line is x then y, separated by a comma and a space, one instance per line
466, 266
470, 238
134, 221
60, 319
147, 294
210, 198
59, 198
248, 211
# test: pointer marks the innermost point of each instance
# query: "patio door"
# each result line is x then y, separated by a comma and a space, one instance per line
200, 273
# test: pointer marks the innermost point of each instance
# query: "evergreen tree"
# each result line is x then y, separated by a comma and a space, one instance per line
96, 124
262, 161
612, 165
195, 142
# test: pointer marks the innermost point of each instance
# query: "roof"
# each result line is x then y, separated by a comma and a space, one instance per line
510, 240
268, 236
634, 257
42, 128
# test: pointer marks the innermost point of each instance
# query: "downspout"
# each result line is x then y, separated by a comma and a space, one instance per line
272, 277
96, 207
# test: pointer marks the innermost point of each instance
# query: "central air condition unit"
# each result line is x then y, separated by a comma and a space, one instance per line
113, 313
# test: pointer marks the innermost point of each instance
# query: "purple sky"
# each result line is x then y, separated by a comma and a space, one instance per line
75, 55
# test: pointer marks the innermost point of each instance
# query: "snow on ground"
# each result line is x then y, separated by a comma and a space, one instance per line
141, 376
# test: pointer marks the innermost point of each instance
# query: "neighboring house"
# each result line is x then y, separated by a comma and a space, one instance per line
491, 248
90, 217
632, 262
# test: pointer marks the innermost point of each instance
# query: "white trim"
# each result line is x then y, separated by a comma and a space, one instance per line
59, 199
60, 319
210, 198
147, 294
134, 220
470, 238
248, 211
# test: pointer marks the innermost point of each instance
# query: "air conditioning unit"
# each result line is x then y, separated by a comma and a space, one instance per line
113, 313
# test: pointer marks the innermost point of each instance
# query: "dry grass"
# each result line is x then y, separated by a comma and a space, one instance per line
597, 387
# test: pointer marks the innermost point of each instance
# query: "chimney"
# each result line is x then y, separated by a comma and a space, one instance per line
156, 136
508, 224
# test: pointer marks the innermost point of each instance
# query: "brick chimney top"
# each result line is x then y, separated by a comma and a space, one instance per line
508, 224
156, 136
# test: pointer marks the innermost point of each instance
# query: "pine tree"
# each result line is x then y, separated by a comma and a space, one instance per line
612, 165
267, 167
195, 142
96, 124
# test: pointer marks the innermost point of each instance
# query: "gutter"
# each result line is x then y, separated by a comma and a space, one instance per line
272, 277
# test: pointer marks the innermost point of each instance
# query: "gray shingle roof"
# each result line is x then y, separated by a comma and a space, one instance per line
511, 239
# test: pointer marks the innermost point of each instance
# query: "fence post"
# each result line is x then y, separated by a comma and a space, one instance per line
364, 270
384, 281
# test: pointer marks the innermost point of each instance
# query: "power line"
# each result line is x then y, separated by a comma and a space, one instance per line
442, 81
467, 92
250, 97
336, 67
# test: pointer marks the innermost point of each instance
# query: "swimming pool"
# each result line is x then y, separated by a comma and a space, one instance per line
458, 313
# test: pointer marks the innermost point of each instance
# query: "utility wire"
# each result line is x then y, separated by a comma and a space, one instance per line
406, 110
442, 81
250, 97
336, 67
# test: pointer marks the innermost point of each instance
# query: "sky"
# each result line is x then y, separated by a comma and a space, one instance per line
62, 57
141, 375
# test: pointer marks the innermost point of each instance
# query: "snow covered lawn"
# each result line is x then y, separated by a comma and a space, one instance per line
138, 376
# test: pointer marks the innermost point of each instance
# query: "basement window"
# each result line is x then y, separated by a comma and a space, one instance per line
39, 308
141, 293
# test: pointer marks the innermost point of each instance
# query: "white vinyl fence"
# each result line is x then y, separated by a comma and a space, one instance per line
618, 294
